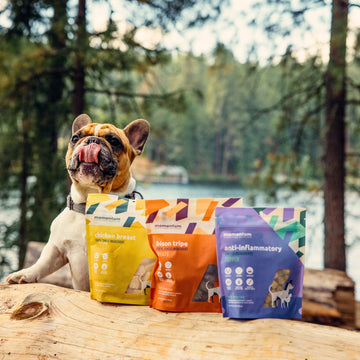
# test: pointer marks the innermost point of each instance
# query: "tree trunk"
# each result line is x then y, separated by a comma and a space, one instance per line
334, 159
22, 243
50, 109
79, 75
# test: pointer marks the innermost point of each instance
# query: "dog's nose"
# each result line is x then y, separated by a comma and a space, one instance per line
92, 139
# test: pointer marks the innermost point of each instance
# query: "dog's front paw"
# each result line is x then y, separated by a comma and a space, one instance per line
22, 276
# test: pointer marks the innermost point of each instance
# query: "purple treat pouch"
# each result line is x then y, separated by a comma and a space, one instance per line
261, 254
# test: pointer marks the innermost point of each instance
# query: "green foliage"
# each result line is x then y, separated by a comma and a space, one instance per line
241, 124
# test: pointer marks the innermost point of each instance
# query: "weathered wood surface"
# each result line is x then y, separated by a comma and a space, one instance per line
72, 326
329, 296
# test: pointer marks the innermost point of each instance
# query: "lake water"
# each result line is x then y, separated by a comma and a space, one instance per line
313, 202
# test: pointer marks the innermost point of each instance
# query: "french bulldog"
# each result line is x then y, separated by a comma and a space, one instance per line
98, 160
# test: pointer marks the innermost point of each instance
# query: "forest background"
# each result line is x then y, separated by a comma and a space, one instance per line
286, 120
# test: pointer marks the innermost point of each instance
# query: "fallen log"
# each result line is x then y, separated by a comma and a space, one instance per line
42, 321
329, 298
329, 295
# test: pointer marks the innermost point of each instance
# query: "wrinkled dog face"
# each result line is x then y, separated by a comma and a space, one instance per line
101, 154
94, 158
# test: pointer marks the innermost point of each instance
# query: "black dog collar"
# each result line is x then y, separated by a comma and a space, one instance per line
81, 207
78, 207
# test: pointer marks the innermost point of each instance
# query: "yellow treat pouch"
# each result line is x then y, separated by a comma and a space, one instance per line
120, 258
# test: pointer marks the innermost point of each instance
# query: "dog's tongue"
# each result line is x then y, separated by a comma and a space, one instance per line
89, 153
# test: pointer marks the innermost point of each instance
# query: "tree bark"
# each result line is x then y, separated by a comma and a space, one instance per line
334, 159
50, 111
79, 74
22, 240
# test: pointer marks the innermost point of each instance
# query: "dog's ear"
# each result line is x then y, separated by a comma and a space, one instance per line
81, 121
137, 132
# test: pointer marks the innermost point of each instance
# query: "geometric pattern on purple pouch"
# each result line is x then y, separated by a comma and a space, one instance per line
285, 223
268, 211
288, 214
288, 236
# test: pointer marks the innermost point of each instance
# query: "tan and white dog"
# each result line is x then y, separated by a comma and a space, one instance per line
98, 160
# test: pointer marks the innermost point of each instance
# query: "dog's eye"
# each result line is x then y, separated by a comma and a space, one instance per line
114, 142
75, 138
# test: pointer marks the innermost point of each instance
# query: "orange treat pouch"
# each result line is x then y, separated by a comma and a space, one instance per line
181, 234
